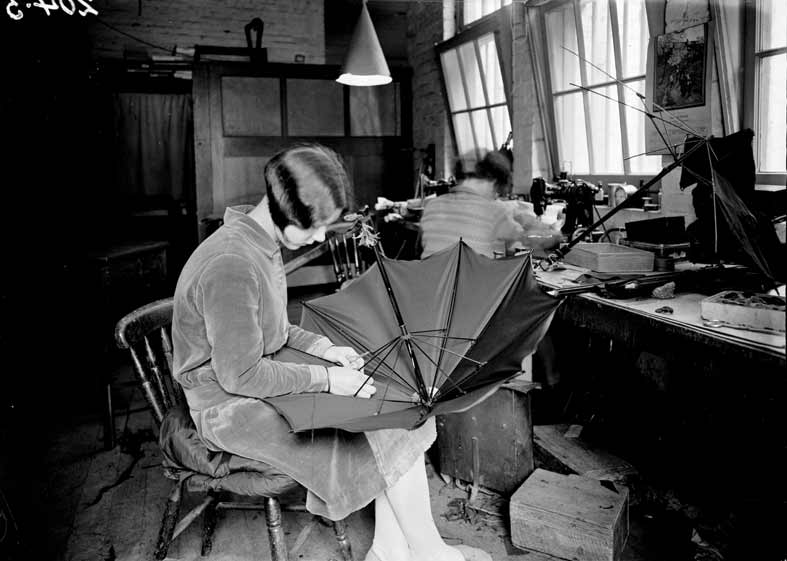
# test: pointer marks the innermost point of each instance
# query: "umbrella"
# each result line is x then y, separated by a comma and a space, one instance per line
439, 335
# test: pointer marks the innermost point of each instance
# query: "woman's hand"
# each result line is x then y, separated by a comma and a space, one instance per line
346, 381
346, 356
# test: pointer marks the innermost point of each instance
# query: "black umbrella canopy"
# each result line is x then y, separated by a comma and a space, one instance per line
439, 335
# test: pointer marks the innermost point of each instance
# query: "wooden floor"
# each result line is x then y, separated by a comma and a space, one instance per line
106, 505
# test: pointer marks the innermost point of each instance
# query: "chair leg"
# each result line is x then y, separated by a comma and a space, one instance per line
340, 529
275, 530
109, 419
209, 525
171, 512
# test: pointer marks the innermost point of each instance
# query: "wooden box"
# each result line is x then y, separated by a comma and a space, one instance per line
747, 310
610, 258
570, 517
490, 444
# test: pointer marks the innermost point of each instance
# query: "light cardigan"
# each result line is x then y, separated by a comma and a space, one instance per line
230, 312
481, 222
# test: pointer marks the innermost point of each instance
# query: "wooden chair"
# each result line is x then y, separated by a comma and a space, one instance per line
146, 333
349, 259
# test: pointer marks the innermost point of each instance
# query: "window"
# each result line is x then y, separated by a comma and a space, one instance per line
475, 66
766, 87
596, 52
476, 9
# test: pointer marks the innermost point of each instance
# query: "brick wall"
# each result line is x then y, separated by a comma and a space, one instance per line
424, 29
291, 26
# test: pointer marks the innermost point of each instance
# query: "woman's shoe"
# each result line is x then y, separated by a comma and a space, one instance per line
472, 553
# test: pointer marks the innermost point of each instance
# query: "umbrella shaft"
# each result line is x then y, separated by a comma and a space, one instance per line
419, 379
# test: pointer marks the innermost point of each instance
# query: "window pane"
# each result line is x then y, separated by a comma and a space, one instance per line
453, 81
636, 125
772, 15
491, 66
605, 131
561, 32
476, 9
472, 11
571, 138
633, 29
772, 114
597, 39
469, 62
464, 134
483, 133
501, 123
374, 111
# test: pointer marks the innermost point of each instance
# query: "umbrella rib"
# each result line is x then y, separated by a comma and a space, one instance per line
421, 334
447, 378
382, 401
369, 377
392, 345
465, 357
401, 379
406, 338
526, 333
448, 320
341, 330
440, 393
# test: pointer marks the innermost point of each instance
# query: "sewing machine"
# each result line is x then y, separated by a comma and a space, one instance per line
579, 197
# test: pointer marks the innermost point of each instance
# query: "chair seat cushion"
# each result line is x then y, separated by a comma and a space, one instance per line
186, 455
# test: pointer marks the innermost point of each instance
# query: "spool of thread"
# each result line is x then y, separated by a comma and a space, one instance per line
663, 263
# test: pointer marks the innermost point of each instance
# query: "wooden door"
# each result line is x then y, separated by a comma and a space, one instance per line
245, 113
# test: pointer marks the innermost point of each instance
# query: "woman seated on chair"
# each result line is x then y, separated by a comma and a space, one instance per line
471, 211
230, 314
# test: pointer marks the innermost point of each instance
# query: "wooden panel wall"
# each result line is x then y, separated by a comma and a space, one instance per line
244, 114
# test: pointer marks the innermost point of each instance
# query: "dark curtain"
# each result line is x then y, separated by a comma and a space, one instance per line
154, 187
155, 149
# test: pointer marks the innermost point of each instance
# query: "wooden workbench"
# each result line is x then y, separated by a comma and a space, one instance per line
606, 314
694, 404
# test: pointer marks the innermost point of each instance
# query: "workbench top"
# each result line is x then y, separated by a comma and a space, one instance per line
685, 311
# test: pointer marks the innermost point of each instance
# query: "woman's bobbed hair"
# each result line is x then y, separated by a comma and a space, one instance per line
305, 184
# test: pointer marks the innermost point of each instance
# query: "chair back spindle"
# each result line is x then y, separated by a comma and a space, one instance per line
348, 257
144, 332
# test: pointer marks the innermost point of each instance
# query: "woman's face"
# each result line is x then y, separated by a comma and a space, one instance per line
293, 237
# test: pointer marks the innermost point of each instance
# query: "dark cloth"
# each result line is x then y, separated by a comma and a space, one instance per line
185, 454
731, 228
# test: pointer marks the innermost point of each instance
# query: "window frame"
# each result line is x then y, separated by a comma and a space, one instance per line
540, 60
752, 60
498, 24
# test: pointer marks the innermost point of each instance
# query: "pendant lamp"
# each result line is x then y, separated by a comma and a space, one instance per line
365, 63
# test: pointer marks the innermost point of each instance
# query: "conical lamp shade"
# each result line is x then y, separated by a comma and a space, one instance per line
365, 63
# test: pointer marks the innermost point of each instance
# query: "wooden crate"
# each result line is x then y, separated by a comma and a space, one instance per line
610, 258
570, 517
735, 308
491, 444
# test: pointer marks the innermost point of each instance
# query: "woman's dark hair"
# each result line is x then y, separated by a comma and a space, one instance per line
305, 185
494, 166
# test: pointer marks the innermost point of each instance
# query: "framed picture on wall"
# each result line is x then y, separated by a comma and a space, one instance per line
680, 67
